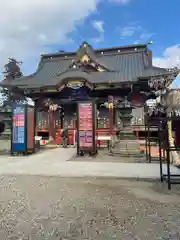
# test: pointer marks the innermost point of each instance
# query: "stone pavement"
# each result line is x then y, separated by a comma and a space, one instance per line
54, 163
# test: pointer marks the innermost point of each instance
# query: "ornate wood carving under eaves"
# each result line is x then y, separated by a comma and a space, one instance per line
163, 81
161, 112
160, 82
84, 65
47, 104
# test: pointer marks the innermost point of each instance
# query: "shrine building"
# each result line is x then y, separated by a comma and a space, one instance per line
125, 73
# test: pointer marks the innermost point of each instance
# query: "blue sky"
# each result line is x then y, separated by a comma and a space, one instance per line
112, 23
158, 25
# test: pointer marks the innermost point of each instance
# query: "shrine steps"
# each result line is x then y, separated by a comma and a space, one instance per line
128, 148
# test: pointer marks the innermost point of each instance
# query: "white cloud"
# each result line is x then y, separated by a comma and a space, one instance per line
170, 58
99, 26
145, 36
129, 31
135, 29
29, 25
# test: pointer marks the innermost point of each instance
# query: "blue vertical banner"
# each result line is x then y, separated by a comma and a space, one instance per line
18, 128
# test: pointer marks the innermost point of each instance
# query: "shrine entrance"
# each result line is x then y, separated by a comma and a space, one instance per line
70, 95
69, 114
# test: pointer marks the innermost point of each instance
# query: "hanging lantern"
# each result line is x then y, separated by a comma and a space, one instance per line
110, 105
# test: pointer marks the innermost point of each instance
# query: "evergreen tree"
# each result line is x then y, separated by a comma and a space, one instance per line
12, 71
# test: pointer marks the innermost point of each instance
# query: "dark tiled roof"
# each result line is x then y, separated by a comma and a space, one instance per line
46, 73
125, 67
126, 64
153, 71
130, 65
110, 50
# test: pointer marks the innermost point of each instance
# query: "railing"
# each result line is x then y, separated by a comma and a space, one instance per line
168, 152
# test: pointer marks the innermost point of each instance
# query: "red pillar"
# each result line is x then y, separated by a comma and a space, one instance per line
52, 131
137, 134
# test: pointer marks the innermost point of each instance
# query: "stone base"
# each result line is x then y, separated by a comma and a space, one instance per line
128, 148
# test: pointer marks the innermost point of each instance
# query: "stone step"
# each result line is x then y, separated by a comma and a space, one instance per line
127, 132
128, 137
128, 150
129, 142
124, 148
129, 155
128, 146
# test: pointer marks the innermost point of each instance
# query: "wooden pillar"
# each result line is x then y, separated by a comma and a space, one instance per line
111, 121
137, 134
110, 102
52, 130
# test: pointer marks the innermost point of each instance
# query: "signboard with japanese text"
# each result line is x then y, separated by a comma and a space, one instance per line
18, 128
22, 140
85, 125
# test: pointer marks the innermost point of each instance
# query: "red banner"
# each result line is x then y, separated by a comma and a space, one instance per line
85, 125
30, 128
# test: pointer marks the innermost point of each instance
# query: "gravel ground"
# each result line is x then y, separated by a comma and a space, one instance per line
33, 207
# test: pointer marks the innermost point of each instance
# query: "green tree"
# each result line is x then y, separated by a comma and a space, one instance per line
12, 70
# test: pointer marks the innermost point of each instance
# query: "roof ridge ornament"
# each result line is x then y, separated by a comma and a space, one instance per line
84, 45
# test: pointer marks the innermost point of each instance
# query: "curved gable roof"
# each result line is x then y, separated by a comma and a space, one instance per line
126, 64
126, 67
